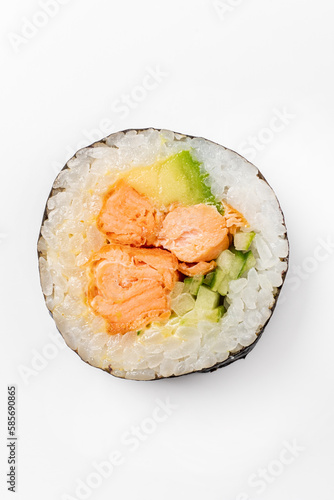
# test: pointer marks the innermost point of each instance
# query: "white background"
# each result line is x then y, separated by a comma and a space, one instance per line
223, 73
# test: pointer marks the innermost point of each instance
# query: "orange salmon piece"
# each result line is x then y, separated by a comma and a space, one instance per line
234, 219
130, 286
198, 269
194, 233
127, 217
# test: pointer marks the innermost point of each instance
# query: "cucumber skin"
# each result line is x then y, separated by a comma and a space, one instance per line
216, 314
187, 284
239, 264
223, 288
196, 282
231, 262
217, 279
208, 279
242, 241
249, 262
231, 265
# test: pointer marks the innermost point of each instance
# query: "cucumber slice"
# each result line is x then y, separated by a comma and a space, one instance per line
209, 278
224, 285
242, 241
218, 277
231, 262
249, 262
195, 284
240, 259
225, 260
206, 299
187, 285
183, 303
216, 314
193, 317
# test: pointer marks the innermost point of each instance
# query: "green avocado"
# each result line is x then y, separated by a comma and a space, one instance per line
179, 179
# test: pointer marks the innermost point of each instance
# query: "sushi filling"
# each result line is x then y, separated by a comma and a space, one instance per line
131, 281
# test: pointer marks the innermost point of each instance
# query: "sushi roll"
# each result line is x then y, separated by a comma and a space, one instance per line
161, 254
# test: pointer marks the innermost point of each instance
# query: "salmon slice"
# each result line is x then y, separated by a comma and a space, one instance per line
127, 217
234, 219
130, 286
194, 233
198, 269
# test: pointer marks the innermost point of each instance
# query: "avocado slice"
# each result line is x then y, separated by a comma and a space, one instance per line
179, 179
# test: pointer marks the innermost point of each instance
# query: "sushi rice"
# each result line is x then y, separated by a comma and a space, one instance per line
69, 237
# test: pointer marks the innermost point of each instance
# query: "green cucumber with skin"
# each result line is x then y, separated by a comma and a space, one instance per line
242, 241
225, 260
195, 284
187, 285
208, 279
231, 265
216, 314
192, 318
223, 288
249, 262
207, 299
217, 279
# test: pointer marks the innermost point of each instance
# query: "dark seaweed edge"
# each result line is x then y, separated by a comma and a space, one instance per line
232, 357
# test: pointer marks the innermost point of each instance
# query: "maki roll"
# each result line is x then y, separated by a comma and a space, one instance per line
161, 254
